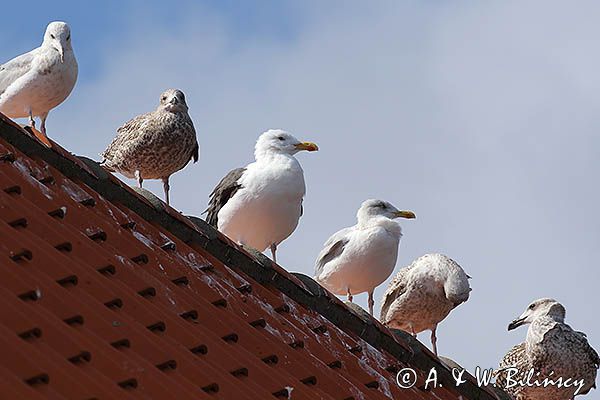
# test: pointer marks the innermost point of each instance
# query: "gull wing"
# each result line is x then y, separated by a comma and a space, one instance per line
131, 131
576, 340
14, 69
333, 248
195, 152
395, 289
514, 358
221, 194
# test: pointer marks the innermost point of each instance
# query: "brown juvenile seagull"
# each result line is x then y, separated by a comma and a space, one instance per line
554, 351
155, 145
423, 294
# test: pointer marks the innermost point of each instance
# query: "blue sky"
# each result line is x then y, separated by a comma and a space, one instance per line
482, 117
101, 23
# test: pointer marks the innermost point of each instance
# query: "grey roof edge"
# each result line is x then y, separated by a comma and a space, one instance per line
397, 343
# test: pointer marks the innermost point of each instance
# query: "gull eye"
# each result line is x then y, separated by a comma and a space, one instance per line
164, 98
532, 306
52, 36
69, 37
281, 138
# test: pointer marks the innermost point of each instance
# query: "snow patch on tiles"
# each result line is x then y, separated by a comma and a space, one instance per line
190, 261
113, 211
143, 239
74, 191
324, 339
358, 395
237, 276
305, 317
164, 237
215, 285
122, 259
269, 328
168, 295
110, 211
90, 231
373, 355
271, 311
283, 335
265, 306
370, 356
33, 168
26, 171
289, 390
304, 320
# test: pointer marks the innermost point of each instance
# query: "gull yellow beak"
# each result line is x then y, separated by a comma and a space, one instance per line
308, 146
406, 214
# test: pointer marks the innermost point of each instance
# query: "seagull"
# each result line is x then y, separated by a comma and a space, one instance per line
552, 349
359, 258
260, 205
155, 145
34, 83
422, 294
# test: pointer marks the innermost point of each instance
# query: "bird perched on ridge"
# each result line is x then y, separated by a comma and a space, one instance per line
552, 349
260, 205
359, 258
34, 83
155, 145
422, 294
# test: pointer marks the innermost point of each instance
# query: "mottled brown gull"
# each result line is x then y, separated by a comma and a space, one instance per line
360, 258
260, 205
553, 351
155, 145
34, 83
422, 294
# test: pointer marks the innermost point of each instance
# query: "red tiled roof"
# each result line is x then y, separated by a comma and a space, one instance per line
105, 295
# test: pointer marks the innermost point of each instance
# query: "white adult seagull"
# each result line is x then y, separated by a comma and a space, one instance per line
34, 83
422, 294
359, 258
260, 205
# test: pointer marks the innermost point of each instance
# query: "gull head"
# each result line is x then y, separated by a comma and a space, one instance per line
280, 142
173, 100
378, 208
540, 308
456, 286
58, 36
